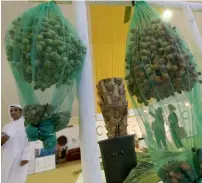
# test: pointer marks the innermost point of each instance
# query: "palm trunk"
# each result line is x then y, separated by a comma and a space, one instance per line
114, 106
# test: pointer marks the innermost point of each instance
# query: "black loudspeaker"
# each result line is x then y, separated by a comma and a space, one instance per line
118, 157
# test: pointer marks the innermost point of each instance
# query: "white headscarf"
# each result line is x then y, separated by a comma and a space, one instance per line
17, 106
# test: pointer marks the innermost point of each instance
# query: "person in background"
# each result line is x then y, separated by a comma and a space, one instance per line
62, 149
159, 128
174, 126
15, 148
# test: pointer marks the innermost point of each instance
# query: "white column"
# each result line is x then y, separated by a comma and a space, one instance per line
88, 138
193, 25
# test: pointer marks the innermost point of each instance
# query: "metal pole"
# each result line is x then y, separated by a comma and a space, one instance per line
194, 6
88, 138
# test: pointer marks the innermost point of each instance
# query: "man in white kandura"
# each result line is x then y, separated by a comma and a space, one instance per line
15, 148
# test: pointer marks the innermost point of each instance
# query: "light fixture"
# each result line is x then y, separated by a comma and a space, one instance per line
167, 14
187, 104
145, 111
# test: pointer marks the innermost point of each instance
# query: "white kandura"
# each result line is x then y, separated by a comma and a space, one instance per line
14, 151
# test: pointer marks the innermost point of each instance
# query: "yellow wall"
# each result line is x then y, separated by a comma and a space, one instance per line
109, 41
109, 35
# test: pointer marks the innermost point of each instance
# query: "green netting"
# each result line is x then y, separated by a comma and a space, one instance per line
144, 171
46, 56
164, 85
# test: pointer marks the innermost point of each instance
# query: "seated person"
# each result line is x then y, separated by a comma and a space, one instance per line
62, 149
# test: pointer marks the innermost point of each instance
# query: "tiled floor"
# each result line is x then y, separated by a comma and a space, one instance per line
62, 174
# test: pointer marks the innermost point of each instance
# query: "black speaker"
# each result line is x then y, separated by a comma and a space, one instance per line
118, 157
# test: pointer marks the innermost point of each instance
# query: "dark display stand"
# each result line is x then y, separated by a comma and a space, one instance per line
118, 157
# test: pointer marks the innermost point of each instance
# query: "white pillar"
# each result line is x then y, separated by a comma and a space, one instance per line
88, 138
193, 25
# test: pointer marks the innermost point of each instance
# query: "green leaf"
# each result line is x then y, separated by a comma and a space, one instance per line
127, 14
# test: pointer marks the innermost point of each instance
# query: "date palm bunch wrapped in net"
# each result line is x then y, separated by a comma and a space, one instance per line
46, 58
114, 106
164, 84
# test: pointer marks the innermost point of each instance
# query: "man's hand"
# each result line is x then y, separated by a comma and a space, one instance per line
4, 138
24, 162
